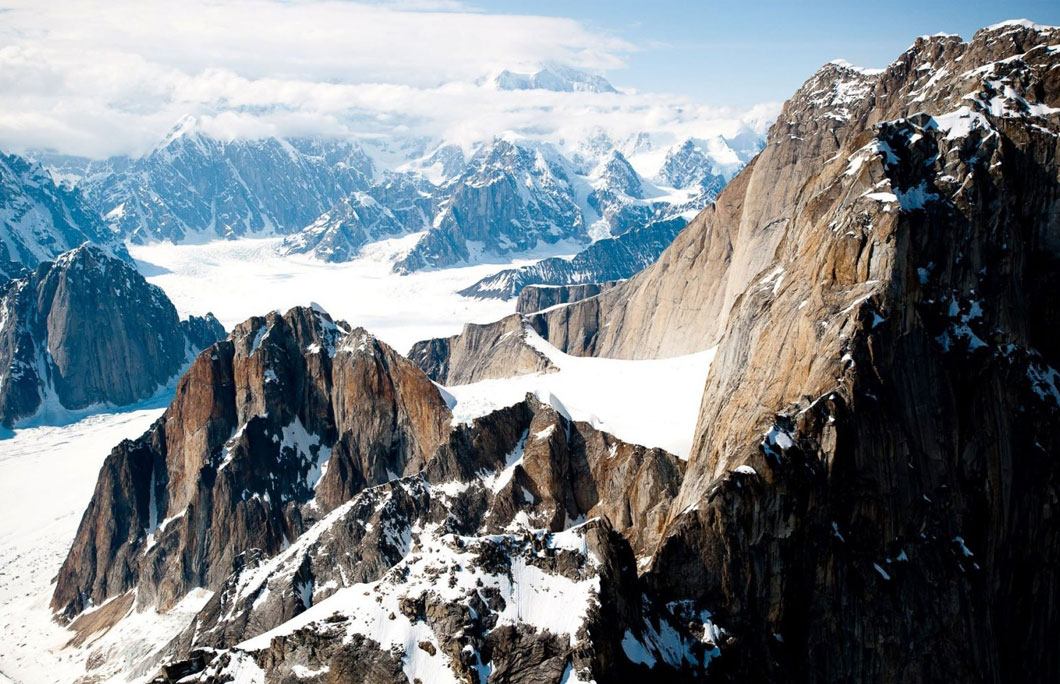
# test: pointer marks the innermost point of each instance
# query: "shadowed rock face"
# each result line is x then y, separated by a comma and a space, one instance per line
86, 330
226, 188
480, 352
609, 259
521, 466
874, 473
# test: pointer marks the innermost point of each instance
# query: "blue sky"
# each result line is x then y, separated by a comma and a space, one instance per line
740, 53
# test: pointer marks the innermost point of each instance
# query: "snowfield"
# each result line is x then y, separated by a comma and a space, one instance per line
654, 403
242, 278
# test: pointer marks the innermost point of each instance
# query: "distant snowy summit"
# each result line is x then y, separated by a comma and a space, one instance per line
554, 77
483, 196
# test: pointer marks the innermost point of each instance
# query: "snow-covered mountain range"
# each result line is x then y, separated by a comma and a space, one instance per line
487, 199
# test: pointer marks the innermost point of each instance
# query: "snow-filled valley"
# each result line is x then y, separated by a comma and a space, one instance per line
653, 402
242, 278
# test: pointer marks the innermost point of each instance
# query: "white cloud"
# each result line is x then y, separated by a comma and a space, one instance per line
100, 79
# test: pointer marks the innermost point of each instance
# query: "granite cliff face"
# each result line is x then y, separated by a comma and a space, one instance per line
49, 364
870, 496
241, 452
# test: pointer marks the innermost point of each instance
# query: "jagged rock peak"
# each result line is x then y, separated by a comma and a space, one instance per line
269, 428
512, 197
507, 494
195, 183
492, 523
617, 174
687, 165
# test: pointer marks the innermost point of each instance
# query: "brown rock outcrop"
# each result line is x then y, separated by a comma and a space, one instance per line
480, 352
270, 428
524, 466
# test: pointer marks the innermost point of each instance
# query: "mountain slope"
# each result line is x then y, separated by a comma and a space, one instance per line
870, 491
328, 464
39, 219
614, 258
511, 198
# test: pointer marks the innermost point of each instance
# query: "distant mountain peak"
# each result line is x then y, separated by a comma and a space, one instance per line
185, 126
554, 77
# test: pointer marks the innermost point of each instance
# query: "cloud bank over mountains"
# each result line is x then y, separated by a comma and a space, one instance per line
94, 80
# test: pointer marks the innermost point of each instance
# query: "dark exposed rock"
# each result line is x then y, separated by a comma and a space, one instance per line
871, 491
137, 345
202, 331
450, 604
